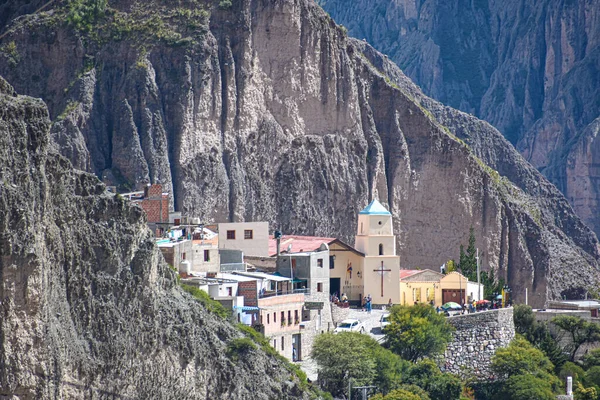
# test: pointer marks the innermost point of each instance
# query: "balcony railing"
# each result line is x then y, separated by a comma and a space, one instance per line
231, 267
284, 292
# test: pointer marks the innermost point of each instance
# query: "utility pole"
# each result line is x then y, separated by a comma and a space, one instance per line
349, 388
478, 276
364, 390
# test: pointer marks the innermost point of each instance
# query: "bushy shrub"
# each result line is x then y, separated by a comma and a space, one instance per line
211, 305
238, 347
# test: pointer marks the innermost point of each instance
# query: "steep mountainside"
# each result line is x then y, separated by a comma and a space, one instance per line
88, 308
530, 68
266, 110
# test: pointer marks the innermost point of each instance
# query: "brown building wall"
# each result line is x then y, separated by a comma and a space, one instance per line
248, 290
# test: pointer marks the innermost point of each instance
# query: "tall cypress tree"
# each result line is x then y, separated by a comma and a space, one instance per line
468, 260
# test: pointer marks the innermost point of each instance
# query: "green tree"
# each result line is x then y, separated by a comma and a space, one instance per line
389, 368
427, 375
468, 260
82, 14
451, 266
347, 355
417, 331
592, 376
398, 394
528, 387
524, 366
583, 393
592, 358
520, 357
579, 331
537, 333
573, 370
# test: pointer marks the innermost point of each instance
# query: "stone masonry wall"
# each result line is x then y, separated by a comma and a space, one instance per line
475, 341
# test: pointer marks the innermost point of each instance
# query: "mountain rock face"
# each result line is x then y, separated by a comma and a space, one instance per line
266, 110
530, 68
88, 308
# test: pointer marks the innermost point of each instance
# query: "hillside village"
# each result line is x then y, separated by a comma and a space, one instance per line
290, 287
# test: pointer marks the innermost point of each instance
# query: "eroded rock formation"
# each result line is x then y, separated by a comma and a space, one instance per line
530, 68
266, 110
88, 307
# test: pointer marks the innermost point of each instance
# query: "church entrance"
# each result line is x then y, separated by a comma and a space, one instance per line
334, 286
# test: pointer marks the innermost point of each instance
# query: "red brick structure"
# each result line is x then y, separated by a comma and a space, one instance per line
155, 203
249, 291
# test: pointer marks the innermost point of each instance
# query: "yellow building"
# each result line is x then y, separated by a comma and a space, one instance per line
425, 286
372, 266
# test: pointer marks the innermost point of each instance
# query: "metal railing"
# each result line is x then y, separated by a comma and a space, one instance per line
230, 267
272, 293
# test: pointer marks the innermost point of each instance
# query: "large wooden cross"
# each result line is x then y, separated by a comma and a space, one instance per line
381, 272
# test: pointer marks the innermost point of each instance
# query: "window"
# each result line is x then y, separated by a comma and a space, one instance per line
248, 234
361, 227
320, 262
274, 343
319, 287
268, 315
282, 317
231, 235
229, 291
331, 262
296, 319
417, 295
183, 256
274, 317
380, 249
289, 317
379, 222
177, 221
431, 294
282, 343
206, 255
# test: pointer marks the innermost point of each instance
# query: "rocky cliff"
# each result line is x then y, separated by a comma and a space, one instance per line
530, 68
266, 110
88, 308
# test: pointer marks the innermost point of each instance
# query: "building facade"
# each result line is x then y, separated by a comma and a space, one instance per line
375, 239
252, 238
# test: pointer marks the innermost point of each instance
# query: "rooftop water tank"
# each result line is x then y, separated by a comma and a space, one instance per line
185, 267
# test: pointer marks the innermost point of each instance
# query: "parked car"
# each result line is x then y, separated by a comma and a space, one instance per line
384, 320
350, 325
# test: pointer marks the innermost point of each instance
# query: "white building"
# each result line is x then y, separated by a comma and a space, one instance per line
252, 238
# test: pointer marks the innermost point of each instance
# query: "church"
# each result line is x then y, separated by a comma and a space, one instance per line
371, 267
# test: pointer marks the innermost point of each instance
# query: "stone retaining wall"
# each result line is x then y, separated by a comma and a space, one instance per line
475, 341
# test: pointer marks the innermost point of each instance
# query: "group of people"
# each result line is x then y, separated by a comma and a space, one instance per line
342, 302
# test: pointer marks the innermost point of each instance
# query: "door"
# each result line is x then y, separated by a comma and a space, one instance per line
453, 295
334, 286
297, 347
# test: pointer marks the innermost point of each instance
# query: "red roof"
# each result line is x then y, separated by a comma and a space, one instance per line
405, 273
299, 243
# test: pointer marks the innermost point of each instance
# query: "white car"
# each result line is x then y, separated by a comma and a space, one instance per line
384, 320
350, 325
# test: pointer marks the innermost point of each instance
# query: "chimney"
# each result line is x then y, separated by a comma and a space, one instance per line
277, 236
